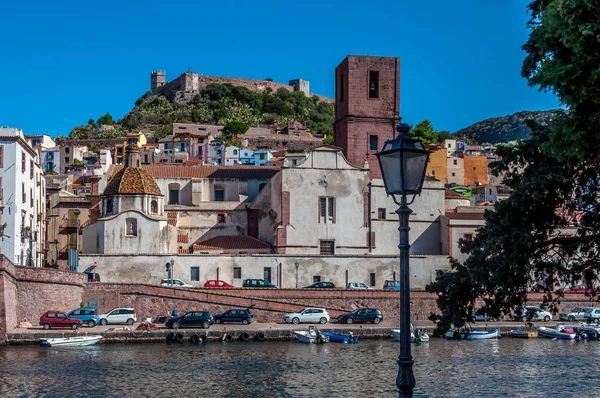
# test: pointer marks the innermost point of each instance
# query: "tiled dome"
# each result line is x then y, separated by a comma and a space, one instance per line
132, 180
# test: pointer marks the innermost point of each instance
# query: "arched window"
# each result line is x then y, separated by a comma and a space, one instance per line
154, 207
131, 226
109, 206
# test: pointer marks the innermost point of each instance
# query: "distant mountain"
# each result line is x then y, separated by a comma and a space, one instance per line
506, 128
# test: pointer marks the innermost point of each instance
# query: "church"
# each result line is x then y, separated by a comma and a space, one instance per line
132, 215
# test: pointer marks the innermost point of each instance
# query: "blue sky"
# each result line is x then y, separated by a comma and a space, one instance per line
64, 62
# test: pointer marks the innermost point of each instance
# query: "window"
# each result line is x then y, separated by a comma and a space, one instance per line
373, 142
67, 160
453, 174
154, 207
145, 158
468, 237
237, 272
432, 172
109, 206
30, 197
474, 168
381, 214
219, 195
24, 194
195, 274
23, 162
327, 247
31, 169
342, 81
455, 161
316, 278
235, 151
173, 196
372, 279
235, 162
261, 156
267, 274
67, 150
450, 146
327, 210
490, 190
1, 156
221, 218
131, 226
373, 84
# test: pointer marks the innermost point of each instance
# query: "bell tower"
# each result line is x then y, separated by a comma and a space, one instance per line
367, 107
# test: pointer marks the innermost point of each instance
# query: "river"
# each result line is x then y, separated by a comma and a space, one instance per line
507, 367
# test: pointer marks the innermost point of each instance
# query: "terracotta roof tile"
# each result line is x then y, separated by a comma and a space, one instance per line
182, 238
132, 180
231, 243
216, 172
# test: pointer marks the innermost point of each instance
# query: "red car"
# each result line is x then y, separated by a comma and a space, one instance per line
581, 289
216, 284
58, 319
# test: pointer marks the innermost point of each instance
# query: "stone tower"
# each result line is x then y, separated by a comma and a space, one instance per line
157, 79
367, 107
301, 85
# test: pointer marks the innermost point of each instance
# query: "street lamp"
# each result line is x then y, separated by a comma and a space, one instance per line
77, 212
403, 162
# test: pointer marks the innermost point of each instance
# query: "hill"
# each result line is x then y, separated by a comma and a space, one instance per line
217, 103
507, 128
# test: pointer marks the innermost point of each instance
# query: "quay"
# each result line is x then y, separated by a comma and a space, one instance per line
253, 332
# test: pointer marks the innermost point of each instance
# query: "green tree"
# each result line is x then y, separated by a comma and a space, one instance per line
546, 235
425, 132
234, 128
105, 120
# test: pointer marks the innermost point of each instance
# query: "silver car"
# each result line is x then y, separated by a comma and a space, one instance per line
593, 316
358, 286
577, 314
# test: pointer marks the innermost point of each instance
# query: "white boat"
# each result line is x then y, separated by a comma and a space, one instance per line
473, 335
71, 341
311, 336
560, 332
414, 338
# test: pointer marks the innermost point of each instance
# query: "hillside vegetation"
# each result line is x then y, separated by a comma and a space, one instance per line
506, 128
219, 104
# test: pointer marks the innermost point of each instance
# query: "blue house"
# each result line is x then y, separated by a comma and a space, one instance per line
246, 156
262, 157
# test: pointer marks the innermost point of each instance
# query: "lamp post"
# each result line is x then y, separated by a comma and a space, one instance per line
297, 265
403, 162
77, 212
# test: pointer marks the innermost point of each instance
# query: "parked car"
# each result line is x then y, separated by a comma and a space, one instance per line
582, 289
308, 315
593, 316
174, 283
217, 284
87, 315
394, 285
576, 314
531, 313
358, 286
480, 316
321, 285
119, 315
257, 283
191, 319
58, 319
362, 315
235, 315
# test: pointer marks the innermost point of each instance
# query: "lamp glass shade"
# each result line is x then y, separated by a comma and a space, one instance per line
403, 162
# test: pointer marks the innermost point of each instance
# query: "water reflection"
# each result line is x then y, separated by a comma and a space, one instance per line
508, 367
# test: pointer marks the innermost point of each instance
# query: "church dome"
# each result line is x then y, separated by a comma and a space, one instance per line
132, 180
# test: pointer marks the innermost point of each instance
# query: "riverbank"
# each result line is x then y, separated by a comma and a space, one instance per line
256, 331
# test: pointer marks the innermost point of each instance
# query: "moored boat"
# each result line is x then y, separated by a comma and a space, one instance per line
341, 338
416, 336
311, 336
560, 332
71, 341
524, 334
473, 335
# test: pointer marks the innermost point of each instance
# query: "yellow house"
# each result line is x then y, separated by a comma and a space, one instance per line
138, 139
438, 165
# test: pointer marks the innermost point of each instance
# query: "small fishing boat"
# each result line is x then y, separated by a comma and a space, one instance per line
416, 336
71, 341
586, 333
311, 336
473, 335
523, 334
560, 332
341, 338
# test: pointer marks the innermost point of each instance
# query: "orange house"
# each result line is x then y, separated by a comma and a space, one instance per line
476, 170
437, 166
